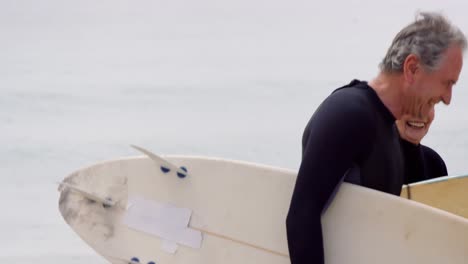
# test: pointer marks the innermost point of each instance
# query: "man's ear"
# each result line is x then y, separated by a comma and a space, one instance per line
410, 68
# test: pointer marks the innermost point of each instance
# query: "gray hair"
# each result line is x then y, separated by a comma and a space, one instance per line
428, 37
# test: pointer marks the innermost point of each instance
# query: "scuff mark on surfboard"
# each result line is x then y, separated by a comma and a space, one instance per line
79, 209
407, 235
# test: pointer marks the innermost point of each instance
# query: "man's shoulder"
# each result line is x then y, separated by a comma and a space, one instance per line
430, 154
434, 163
355, 91
353, 101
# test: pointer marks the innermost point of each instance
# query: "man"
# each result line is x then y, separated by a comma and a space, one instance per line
352, 133
421, 162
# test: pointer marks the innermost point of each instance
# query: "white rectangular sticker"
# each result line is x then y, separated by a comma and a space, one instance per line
162, 220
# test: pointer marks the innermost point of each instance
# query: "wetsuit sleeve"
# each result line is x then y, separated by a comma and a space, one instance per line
338, 135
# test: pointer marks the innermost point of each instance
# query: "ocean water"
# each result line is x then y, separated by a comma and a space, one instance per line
82, 80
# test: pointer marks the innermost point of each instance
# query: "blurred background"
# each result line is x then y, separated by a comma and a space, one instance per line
82, 80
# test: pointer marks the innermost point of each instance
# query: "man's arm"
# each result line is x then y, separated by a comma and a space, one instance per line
337, 136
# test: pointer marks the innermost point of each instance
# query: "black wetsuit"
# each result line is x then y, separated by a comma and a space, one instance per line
351, 133
421, 163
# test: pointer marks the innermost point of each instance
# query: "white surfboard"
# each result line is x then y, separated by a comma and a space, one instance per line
149, 210
449, 193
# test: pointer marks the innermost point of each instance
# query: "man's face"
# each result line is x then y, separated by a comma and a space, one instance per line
427, 88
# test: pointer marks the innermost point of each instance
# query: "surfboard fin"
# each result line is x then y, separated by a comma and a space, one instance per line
165, 165
106, 201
